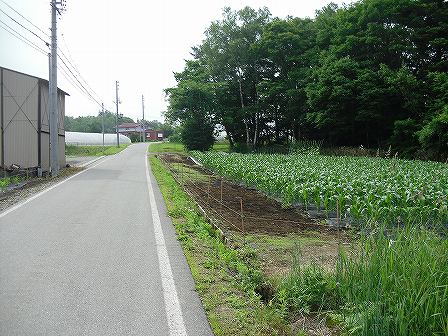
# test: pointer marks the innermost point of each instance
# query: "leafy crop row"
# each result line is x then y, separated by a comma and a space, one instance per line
363, 190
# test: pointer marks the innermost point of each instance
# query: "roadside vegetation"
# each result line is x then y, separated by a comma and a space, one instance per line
226, 278
391, 278
73, 150
397, 284
9, 180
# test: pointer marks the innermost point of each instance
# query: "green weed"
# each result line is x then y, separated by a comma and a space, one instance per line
93, 150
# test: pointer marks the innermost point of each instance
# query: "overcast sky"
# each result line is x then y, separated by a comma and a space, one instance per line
138, 43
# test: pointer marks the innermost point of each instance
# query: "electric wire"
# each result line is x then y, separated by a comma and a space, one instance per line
21, 25
79, 82
78, 73
22, 38
17, 12
71, 77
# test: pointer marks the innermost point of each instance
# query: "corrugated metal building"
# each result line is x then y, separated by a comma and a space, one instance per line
25, 130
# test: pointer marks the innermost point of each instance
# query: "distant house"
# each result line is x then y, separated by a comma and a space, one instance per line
154, 135
130, 129
24, 121
135, 129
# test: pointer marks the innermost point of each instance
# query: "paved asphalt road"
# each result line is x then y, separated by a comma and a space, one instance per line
97, 255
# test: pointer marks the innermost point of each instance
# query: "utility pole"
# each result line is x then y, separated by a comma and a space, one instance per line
56, 8
102, 121
117, 101
143, 120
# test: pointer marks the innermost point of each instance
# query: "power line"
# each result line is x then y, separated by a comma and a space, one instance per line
17, 12
79, 82
22, 38
73, 78
76, 83
77, 72
21, 25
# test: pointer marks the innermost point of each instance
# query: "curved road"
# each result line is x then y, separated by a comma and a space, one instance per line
97, 255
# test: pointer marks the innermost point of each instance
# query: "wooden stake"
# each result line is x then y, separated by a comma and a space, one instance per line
208, 190
220, 205
242, 219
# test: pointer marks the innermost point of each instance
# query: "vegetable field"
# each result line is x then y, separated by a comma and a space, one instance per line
361, 190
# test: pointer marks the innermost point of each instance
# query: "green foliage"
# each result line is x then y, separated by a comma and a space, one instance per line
92, 124
346, 77
197, 134
434, 134
366, 191
305, 290
9, 180
397, 285
226, 278
404, 137
163, 147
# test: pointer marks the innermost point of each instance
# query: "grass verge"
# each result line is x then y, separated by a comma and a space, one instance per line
9, 180
226, 279
93, 150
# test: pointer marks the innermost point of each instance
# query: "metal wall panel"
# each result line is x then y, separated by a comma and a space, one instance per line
61, 110
62, 151
1, 118
20, 119
45, 125
23, 98
45, 152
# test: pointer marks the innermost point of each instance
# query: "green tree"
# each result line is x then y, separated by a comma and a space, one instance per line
197, 133
192, 104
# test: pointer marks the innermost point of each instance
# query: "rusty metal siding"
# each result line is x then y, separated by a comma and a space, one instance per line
20, 98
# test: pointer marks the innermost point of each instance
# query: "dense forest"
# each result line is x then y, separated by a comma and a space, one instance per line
373, 73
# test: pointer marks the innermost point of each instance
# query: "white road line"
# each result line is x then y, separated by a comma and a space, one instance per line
172, 305
91, 161
19, 205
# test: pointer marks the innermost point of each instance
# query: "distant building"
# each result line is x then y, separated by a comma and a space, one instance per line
135, 129
130, 128
24, 118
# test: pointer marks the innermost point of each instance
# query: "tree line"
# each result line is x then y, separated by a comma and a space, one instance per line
373, 73
93, 124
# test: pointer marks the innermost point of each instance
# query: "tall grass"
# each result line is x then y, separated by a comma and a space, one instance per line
396, 284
